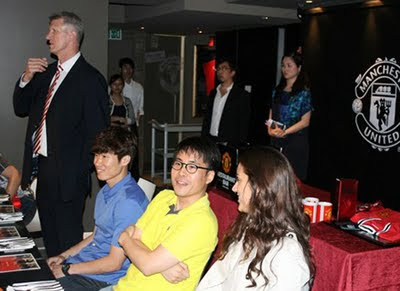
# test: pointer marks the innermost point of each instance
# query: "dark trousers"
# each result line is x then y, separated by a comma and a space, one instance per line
296, 149
61, 221
28, 208
81, 283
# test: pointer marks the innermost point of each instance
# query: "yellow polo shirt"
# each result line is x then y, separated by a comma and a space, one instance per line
190, 235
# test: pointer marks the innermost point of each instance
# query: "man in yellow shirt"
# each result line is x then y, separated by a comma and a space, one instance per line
171, 243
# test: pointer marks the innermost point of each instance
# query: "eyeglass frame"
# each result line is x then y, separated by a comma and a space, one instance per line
186, 168
223, 68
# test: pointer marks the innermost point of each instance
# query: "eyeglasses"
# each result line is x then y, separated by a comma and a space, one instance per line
222, 68
191, 168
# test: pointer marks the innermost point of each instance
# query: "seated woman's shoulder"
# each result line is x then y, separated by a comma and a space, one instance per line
291, 245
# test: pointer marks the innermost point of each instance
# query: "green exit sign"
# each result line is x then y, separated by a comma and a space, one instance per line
115, 33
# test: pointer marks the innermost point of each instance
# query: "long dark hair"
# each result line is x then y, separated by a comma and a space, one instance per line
275, 210
302, 81
114, 78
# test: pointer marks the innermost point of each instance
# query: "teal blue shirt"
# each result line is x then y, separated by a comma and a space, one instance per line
289, 109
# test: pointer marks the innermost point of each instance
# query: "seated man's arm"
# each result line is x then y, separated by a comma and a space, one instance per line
112, 262
147, 261
14, 180
58, 260
124, 214
173, 274
176, 273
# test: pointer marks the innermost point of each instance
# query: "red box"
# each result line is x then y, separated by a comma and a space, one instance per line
345, 199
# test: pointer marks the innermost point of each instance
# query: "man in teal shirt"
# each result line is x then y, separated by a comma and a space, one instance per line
98, 260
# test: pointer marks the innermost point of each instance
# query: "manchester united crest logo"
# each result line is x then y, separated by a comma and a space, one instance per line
375, 104
226, 162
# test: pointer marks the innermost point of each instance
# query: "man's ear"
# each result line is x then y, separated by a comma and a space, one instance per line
73, 35
210, 176
125, 160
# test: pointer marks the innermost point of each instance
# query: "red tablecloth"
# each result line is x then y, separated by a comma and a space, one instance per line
346, 262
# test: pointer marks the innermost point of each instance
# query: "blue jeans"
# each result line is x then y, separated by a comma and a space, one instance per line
81, 283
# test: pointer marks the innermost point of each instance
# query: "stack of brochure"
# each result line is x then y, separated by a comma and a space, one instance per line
50, 285
7, 232
4, 198
18, 262
16, 244
10, 217
7, 208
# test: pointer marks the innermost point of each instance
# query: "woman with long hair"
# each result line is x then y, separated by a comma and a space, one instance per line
290, 114
267, 247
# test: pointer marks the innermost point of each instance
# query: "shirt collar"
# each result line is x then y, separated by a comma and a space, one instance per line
68, 64
130, 82
110, 192
203, 201
227, 89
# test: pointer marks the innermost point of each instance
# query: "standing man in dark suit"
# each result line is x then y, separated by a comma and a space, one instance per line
66, 102
228, 109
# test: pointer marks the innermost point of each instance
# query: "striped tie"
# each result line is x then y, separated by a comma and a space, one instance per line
38, 136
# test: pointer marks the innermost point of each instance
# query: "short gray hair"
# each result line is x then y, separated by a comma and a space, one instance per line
72, 19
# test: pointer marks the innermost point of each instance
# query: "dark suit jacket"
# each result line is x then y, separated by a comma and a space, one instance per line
78, 111
234, 124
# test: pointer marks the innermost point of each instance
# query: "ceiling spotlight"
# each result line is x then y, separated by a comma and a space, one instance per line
309, 1
316, 10
372, 3
200, 31
142, 28
265, 17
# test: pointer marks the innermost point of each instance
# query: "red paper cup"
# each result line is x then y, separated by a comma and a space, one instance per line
16, 202
310, 207
324, 211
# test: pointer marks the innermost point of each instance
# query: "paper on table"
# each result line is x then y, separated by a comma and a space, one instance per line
4, 197
49, 285
18, 262
7, 209
16, 245
8, 232
11, 217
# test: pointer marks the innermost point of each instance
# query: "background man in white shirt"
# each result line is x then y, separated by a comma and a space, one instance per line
134, 91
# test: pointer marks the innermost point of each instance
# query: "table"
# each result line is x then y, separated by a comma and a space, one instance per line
345, 262
43, 273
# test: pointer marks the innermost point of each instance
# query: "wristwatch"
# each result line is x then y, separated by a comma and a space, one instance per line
64, 268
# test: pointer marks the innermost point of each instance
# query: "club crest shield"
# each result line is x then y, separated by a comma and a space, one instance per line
376, 105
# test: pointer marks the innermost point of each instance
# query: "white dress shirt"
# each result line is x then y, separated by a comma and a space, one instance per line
218, 108
67, 65
134, 91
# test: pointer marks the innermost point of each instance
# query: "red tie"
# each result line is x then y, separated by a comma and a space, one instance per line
38, 136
